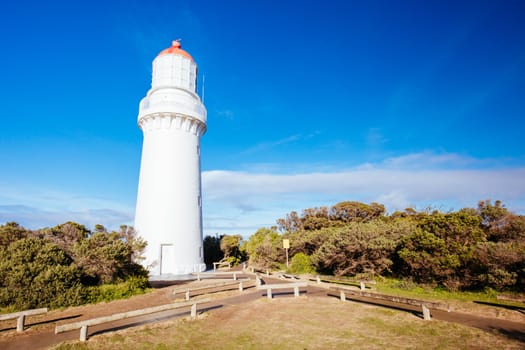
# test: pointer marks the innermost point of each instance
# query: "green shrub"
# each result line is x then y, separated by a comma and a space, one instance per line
35, 273
108, 292
301, 263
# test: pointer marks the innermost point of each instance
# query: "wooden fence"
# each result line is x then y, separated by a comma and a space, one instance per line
21, 316
83, 325
208, 289
295, 286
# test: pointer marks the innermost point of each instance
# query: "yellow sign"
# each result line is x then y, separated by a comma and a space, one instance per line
286, 243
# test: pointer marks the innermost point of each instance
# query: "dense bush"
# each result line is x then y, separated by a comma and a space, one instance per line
66, 265
231, 246
361, 248
264, 248
301, 263
109, 292
472, 248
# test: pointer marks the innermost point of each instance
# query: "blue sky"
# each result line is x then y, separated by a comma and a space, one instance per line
408, 103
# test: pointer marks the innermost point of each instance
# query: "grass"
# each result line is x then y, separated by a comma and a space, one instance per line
412, 290
409, 289
299, 323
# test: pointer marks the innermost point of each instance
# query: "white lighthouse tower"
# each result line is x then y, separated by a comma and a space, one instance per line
168, 213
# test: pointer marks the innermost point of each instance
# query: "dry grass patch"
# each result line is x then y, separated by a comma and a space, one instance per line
299, 323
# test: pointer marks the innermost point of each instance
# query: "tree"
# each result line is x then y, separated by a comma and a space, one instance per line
499, 223
301, 263
356, 211
136, 244
264, 248
11, 232
231, 247
212, 250
442, 249
361, 248
35, 273
107, 257
291, 223
499, 265
65, 235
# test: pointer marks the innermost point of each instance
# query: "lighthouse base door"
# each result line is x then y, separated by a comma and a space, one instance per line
167, 258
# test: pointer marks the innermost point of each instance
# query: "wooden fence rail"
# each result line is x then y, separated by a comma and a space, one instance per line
21, 316
425, 305
220, 264
223, 286
83, 325
201, 275
295, 286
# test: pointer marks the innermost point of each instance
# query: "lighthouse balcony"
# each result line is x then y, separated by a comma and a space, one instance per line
185, 107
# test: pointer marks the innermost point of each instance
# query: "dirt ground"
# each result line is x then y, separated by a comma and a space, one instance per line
40, 329
307, 322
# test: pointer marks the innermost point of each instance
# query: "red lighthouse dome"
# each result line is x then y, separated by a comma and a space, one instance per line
175, 49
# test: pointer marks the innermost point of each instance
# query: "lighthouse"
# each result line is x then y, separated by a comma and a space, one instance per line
168, 213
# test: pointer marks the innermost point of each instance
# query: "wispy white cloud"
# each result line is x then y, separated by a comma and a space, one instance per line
266, 145
419, 185
417, 180
242, 201
426, 160
38, 207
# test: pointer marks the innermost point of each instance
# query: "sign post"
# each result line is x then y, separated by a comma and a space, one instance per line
286, 246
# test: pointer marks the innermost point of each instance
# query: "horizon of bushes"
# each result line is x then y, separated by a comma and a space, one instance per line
467, 249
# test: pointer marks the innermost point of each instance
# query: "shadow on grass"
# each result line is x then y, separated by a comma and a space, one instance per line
389, 305
511, 334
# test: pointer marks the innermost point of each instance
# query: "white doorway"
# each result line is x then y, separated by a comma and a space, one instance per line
167, 258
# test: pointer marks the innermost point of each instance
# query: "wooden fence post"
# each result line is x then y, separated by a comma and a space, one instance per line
257, 280
342, 296
193, 311
426, 312
20, 323
296, 291
235, 276
240, 287
362, 285
269, 293
318, 279
187, 295
83, 333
